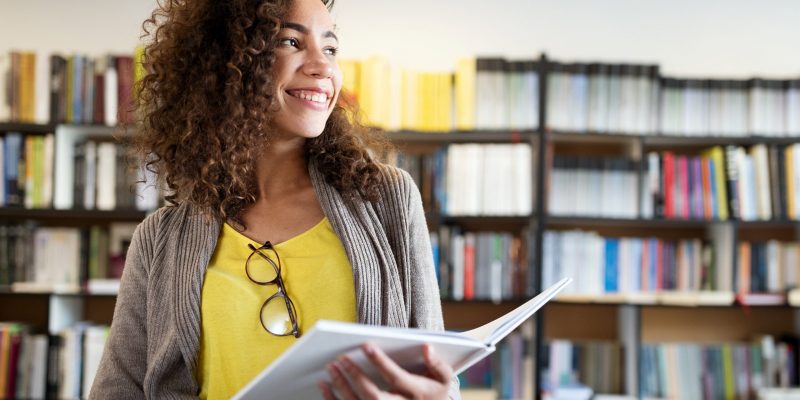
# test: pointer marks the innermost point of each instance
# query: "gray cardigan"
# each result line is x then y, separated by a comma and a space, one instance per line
152, 348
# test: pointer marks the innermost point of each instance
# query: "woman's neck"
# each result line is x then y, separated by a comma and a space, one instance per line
282, 168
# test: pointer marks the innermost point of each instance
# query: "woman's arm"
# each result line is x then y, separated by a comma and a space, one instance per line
124, 362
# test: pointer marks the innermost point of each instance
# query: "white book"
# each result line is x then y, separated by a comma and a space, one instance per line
457, 254
42, 88
296, 373
111, 93
5, 70
94, 341
522, 179
36, 384
106, 176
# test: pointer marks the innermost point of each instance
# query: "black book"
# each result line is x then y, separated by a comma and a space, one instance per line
79, 179
53, 365
58, 89
731, 181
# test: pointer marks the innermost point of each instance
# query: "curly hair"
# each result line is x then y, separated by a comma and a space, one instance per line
205, 106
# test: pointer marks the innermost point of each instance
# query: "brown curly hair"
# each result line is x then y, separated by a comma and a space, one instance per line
205, 106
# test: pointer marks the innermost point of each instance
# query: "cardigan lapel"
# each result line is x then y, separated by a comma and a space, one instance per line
193, 243
379, 297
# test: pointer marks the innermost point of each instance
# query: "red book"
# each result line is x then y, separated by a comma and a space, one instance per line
99, 116
708, 199
469, 267
124, 89
13, 361
683, 181
669, 182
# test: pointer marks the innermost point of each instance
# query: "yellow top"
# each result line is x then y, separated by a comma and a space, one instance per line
234, 347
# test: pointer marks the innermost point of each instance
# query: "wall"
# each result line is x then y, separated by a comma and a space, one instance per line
709, 38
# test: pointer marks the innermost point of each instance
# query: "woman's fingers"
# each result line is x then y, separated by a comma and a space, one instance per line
363, 385
398, 378
340, 382
327, 391
438, 369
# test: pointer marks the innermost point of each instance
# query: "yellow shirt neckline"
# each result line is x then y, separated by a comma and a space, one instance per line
244, 239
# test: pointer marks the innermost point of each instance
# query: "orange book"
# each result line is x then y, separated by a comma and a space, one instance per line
743, 275
5, 349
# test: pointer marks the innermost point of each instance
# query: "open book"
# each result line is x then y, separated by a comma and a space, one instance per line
295, 374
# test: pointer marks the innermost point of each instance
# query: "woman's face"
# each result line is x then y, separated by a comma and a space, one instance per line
305, 74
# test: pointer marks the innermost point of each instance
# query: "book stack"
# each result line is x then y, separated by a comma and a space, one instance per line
767, 267
482, 93
629, 268
758, 183
595, 187
508, 370
38, 366
757, 107
73, 89
26, 163
491, 179
63, 260
595, 364
730, 370
480, 265
602, 98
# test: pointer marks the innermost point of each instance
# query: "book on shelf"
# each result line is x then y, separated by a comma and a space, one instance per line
329, 339
63, 260
38, 366
596, 187
639, 270
594, 364
481, 265
713, 371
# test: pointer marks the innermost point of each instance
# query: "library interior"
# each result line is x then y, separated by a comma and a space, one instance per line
650, 151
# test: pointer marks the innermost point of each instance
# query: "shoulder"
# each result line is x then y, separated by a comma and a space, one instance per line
397, 185
166, 220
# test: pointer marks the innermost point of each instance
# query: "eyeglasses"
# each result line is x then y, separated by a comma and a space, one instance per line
278, 315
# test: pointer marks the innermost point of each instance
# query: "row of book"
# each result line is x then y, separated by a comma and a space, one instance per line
473, 179
602, 98
767, 267
480, 265
63, 260
42, 88
596, 364
38, 366
102, 177
693, 107
483, 93
718, 371
609, 265
509, 370
597, 187
757, 183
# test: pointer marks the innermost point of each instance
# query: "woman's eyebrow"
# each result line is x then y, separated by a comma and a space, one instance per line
302, 29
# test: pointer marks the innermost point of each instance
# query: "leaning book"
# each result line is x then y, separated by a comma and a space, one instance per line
296, 373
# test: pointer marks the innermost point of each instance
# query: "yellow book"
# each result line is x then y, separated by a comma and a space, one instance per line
465, 94
447, 102
410, 100
422, 102
727, 372
5, 346
27, 76
791, 208
373, 91
717, 156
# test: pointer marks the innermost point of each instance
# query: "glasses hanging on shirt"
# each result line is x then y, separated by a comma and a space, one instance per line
278, 315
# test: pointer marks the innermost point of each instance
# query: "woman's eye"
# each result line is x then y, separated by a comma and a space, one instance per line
331, 51
289, 42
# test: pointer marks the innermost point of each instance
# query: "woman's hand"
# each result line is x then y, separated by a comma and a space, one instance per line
352, 383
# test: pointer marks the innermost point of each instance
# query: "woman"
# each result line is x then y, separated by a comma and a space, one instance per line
279, 215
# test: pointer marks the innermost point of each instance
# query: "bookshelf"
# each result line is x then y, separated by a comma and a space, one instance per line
633, 320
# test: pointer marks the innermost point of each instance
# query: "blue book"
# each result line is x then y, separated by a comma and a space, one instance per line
611, 273
77, 89
13, 152
713, 173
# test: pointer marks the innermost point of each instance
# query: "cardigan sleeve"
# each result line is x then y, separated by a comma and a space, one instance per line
425, 305
122, 367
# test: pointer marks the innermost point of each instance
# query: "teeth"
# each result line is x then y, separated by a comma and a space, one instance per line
311, 96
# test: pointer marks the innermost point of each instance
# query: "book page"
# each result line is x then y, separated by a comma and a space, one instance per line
496, 330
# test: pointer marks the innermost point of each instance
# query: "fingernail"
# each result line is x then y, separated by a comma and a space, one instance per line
369, 349
431, 350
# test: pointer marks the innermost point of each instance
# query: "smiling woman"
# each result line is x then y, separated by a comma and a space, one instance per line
278, 214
